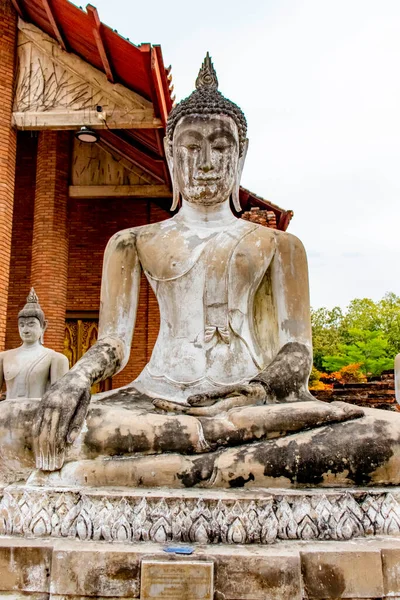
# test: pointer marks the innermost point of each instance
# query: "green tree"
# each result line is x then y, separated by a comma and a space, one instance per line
341, 337
328, 333
369, 348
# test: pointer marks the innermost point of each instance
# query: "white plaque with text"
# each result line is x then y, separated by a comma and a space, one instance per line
176, 580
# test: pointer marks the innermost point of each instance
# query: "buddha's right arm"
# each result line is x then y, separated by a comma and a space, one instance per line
62, 411
118, 306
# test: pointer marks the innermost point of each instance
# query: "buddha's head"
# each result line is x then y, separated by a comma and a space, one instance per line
31, 321
206, 144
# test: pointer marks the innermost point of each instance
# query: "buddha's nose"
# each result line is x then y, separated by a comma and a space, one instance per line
206, 165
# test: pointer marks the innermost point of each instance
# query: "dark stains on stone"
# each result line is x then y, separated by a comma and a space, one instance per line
216, 436
127, 241
126, 573
343, 449
173, 437
285, 379
240, 481
323, 580
103, 360
116, 444
201, 470
98, 581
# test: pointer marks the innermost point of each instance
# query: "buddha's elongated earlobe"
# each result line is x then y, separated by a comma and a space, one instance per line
236, 188
175, 194
45, 323
170, 161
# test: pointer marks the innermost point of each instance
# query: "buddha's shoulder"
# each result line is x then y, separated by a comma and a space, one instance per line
282, 238
128, 238
57, 356
8, 353
14, 353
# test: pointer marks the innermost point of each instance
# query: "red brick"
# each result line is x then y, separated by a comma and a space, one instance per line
8, 143
49, 273
21, 248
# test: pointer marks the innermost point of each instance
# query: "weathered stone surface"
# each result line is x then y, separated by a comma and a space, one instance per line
391, 570
172, 579
354, 572
258, 574
25, 566
95, 570
329, 570
203, 516
133, 426
24, 596
360, 452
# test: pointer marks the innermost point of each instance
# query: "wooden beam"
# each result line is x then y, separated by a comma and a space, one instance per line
97, 34
284, 220
155, 91
119, 191
119, 119
18, 8
158, 85
125, 162
136, 162
53, 23
166, 77
144, 161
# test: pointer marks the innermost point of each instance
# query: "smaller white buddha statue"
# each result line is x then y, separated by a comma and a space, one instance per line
31, 369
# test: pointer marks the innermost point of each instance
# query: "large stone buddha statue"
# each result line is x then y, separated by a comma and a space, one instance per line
223, 400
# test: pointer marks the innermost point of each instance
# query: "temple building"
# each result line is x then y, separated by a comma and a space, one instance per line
82, 120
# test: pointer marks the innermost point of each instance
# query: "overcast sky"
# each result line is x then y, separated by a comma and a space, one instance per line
319, 82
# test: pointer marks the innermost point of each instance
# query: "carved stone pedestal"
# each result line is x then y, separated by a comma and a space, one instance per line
70, 544
204, 516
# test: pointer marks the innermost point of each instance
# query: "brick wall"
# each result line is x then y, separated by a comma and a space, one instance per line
8, 143
21, 248
379, 392
49, 272
92, 223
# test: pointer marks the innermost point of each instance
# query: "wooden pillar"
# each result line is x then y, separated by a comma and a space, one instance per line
49, 273
8, 145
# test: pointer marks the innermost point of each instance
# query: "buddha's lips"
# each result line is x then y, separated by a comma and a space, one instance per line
206, 180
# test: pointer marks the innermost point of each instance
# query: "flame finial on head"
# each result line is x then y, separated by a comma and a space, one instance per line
32, 297
207, 77
32, 308
206, 100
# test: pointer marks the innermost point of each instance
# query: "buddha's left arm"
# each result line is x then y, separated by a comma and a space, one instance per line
290, 289
286, 377
59, 366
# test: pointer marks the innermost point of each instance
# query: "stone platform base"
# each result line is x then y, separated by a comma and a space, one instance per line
50, 569
75, 544
204, 516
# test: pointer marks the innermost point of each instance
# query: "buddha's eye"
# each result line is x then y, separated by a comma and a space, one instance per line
193, 147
